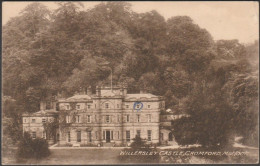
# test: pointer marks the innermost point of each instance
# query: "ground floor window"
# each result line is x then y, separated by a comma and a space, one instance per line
78, 136
44, 135
127, 135
138, 133
33, 134
89, 136
162, 136
149, 135
170, 136
68, 134
104, 135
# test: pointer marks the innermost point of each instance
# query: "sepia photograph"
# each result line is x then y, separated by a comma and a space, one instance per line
130, 82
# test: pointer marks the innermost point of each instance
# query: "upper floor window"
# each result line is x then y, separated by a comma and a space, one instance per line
118, 118
33, 120
107, 118
106, 105
138, 118
67, 119
126, 106
149, 117
127, 118
43, 120
78, 107
67, 107
24, 120
88, 119
148, 106
78, 119
89, 106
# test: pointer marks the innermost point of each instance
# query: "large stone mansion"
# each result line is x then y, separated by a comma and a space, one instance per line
107, 117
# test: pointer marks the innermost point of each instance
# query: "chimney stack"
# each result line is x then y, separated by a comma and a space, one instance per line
81, 91
98, 92
42, 105
89, 91
142, 91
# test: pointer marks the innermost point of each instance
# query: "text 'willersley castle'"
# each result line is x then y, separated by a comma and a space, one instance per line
110, 117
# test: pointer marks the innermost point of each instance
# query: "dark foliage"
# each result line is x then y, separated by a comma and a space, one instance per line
32, 148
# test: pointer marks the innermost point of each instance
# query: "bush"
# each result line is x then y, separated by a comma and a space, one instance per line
32, 148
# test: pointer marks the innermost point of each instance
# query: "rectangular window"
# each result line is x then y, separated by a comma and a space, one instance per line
95, 118
88, 119
138, 133
89, 106
112, 135
127, 118
69, 136
104, 135
118, 136
138, 118
162, 136
67, 107
67, 119
149, 135
78, 119
78, 136
118, 118
33, 120
89, 136
44, 135
126, 106
107, 118
77, 107
43, 120
127, 135
149, 117
148, 106
33, 134
24, 120
106, 105
96, 135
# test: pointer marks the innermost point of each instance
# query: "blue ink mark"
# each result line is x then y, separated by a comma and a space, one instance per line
137, 103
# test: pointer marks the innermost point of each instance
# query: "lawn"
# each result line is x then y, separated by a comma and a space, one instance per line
75, 156
110, 156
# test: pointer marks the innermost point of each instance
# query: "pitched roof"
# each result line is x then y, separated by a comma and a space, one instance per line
139, 96
78, 97
42, 113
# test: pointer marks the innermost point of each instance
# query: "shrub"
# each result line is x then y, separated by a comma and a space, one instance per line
32, 148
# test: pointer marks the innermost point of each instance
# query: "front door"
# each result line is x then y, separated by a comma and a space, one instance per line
108, 136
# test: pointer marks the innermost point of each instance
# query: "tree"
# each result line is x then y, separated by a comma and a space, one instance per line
138, 143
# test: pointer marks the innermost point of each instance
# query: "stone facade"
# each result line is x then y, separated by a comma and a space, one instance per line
108, 117
33, 123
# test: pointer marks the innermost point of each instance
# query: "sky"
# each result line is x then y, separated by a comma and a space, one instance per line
223, 20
